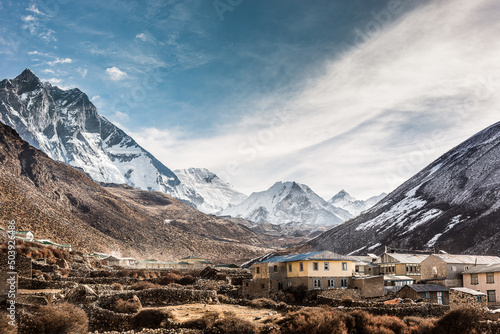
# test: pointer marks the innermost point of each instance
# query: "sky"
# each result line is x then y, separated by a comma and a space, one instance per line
357, 95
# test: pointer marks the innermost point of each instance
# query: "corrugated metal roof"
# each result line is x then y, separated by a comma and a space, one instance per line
468, 259
470, 291
397, 278
322, 255
484, 268
408, 258
428, 287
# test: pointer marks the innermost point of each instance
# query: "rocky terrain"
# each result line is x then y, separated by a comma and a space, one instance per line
453, 204
57, 202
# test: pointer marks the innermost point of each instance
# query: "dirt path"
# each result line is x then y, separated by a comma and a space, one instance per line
186, 312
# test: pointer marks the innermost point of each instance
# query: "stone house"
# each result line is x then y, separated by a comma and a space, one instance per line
486, 279
399, 264
315, 270
465, 297
365, 265
196, 262
393, 283
446, 269
430, 293
25, 235
369, 286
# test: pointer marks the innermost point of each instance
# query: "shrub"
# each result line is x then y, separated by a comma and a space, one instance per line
64, 272
117, 286
151, 318
298, 292
47, 277
143, 285
56, 319
263, 303
462, 320
187, 280
314, 321
418, 325
127, 306
370, 324
231, 324
170, 278
36, 272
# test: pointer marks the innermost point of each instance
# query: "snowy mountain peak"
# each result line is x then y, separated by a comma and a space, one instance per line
286, 202
207, 191
66, 126
342, 196
345, 201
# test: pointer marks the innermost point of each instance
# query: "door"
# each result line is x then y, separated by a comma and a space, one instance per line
440, 298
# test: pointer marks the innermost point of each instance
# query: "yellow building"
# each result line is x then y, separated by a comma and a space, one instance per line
315, 270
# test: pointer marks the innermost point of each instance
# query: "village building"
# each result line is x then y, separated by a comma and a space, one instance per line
393, 283
430, 293
25, 235
196, 262
486, 279
316, 270
121, 261
399, 264
446, 269
154, 264
465, 297
365, 265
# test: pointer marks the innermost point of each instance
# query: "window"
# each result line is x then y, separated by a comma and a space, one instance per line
257, 270
453, 268
490, 278
427, 295
327, 266
315, 266
331, 283
439, 296
246, 284
479, 299
344, 283
301, 266
344, 266
317, 283
262, 286
491, 296
281, 285
288, 284
473, 279
275, 268
289, 267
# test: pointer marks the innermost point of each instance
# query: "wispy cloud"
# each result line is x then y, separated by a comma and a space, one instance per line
60, 61
34, 9
115, 73
361, 125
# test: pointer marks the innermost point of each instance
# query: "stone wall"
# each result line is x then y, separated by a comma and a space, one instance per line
162, 296
370, 287
256, 288
461, 299
353, 294
22, 265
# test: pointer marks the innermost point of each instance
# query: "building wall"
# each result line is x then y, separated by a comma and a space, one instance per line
370, 287
408, 292
433, 267
335, 269
255, 288
483, 286
460, 299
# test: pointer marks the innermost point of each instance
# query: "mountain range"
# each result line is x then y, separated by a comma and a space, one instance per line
57, 202
453, 204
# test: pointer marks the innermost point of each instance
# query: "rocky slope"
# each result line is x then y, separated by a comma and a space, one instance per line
453, 204
57, 202
354, 206
288, 202
212, 194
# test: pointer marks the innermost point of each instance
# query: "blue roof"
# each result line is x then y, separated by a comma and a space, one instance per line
306, 256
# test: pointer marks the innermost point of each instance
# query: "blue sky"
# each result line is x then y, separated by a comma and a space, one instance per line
334, 94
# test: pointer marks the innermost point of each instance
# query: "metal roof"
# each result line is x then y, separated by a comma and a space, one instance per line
428, 287
397, 278
484, 268
322, 255
470, 291
408, 258
468, 259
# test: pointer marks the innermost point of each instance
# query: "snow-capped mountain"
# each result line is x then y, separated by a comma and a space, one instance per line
287, 202
212, 194
355, 206
453, 204
66, 126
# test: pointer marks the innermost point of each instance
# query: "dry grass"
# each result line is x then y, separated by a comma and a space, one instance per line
127, 306
143, 285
